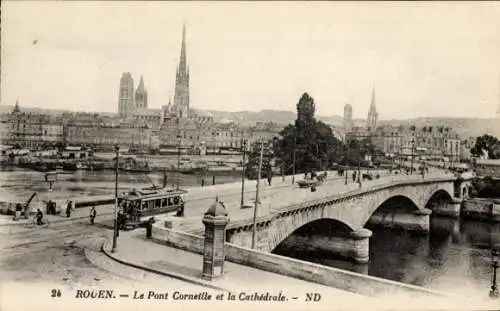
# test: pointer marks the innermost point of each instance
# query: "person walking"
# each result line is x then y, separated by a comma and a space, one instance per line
48, 208
269, 176
39, 217
92, 215
69, 207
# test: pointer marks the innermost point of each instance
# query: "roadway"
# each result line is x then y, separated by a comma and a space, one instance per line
56, 255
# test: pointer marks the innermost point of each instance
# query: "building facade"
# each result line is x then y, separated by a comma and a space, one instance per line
30, 130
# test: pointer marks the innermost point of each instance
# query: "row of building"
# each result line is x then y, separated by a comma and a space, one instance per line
428, 141
36, 131
407, 141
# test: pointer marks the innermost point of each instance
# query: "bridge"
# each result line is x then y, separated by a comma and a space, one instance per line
393, 201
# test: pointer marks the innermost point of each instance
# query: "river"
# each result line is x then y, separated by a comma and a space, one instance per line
19, 184
454, 257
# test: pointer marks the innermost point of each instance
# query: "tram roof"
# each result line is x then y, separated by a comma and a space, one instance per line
161, 193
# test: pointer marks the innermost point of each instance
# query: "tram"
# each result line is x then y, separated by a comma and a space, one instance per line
138, 206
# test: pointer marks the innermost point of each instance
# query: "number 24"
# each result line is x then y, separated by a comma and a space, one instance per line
55, 293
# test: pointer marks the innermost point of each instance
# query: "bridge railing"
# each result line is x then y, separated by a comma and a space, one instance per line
370, 186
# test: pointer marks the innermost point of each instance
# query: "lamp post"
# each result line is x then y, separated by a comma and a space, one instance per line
346, 163
115, 231
293, 167
178, 158
400, 158
254, 229
392, 151
494, 288
412, 147
243, 151
359, 164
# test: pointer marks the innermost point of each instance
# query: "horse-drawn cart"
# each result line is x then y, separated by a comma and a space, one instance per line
312, 181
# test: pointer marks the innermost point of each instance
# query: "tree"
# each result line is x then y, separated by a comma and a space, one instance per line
309, 141
252, 166
488, 143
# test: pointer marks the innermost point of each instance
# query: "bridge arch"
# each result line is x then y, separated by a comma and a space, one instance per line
388, 207
331, 226
438, 196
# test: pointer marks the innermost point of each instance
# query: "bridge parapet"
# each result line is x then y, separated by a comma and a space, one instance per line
352, 208
280, 211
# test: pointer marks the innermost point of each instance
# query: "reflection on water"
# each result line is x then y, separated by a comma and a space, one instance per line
454, 257
21, 183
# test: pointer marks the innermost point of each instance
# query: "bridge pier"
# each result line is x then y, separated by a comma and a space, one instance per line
354, 246
450, 209
361, 245
418, 220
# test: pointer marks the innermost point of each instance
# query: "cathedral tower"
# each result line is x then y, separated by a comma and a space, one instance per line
347, 117
371, 122
126, 105
141, 95
181, 96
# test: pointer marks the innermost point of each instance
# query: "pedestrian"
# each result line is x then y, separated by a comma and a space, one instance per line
269, 177
354, 176
39, 217
93, 214
48, 208
54, 208
69, 207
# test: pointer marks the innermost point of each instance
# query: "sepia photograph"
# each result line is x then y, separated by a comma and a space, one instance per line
273, 155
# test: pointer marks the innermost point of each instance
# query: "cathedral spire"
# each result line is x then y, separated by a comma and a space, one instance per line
181, 97
16, 107
371, 122
140, 87
373, 107
182, 61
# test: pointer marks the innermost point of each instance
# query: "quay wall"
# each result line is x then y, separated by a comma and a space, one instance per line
346, 280
481, 209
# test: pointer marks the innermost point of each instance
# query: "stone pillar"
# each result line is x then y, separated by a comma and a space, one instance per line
451, 209
215, 221
415, 221
421, 220
361, 245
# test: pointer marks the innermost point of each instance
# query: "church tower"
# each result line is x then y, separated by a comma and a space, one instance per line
371, 122
16, 107
347, 118
126, 105
141, 96
181, 96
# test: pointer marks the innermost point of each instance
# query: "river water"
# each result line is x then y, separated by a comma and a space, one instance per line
19, 184
454, 257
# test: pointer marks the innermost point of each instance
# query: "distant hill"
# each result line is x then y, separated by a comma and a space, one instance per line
250, 117
465, 127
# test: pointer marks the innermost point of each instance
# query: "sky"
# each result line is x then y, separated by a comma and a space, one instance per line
423, 59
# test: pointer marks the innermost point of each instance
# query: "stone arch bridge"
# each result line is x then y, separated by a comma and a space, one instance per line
350, 212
